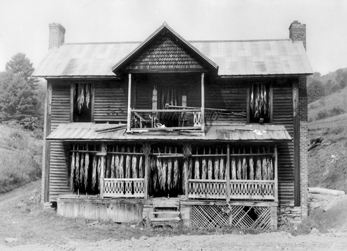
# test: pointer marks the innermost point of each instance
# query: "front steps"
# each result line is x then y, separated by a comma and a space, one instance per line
166, 212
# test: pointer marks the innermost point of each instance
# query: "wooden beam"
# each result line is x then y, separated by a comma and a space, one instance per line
296, 123
129, 104
276, 174
146, 151
93, 100
46, 151
227, 174
72, 88
203, 102
103, 161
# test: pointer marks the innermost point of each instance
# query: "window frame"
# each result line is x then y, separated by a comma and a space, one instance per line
270, 84
92, 93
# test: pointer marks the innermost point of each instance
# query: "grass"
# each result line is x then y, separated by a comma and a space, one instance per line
331, 105
20, 158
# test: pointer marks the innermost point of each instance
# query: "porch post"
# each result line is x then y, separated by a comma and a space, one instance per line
102, 159
129, 103
227, 174
202, 102
146, 152
276, 174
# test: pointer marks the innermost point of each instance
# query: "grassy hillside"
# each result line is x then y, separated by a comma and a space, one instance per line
328, 106
328, 162
20, 157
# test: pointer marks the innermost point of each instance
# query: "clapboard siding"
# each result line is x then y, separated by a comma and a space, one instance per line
60, 113
283, 115
227, 96
110, 102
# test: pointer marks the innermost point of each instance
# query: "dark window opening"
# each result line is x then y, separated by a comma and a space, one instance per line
82, 105
260, 103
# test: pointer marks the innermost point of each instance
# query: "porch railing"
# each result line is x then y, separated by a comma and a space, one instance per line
239, 189
124, 188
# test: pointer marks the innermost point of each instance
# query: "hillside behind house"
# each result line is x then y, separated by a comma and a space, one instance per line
328, 121
20, 157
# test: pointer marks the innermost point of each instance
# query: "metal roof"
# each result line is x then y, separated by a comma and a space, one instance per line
108, 132
233, 58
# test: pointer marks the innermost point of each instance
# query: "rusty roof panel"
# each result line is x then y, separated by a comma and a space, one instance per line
234, 58
90, 131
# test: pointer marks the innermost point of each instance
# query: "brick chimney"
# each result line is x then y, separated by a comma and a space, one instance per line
297, 32
56, 35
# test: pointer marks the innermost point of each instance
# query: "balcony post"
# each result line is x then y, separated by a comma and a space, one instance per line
202, 102
227, 174
276, 174
129, 103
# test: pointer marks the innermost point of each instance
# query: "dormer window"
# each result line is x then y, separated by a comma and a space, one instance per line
260, 103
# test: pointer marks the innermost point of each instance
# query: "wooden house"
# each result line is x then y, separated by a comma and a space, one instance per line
204, 133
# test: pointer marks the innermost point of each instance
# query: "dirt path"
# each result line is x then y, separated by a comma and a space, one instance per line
24, 225
17, 193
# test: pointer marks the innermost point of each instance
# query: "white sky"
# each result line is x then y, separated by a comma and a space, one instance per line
24, 23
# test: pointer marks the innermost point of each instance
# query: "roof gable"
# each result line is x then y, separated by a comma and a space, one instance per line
165, 51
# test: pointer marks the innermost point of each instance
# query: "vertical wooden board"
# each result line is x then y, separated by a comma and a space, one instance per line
283, 115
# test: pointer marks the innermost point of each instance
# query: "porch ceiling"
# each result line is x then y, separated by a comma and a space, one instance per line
113, 132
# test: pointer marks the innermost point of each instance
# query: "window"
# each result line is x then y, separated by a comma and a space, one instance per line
82, 102
260, 103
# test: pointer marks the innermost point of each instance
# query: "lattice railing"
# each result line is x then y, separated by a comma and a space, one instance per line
206, 189
241, 217
239, 189
124, 188
256, 189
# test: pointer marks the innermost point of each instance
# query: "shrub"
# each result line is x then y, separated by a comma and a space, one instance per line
337, 111
20, 163
322, 115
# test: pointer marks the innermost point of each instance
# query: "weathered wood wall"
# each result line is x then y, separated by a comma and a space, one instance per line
229, 95
106, 210
283, 115
60, 113
110, 101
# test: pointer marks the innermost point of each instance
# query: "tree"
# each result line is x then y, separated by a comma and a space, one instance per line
18, 97
315, 90
19, 63
341, 78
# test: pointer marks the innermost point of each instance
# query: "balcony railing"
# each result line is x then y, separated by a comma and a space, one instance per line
166, 119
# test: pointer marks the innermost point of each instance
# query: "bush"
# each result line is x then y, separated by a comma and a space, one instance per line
20, 163
337, 111
332, 112
322, 115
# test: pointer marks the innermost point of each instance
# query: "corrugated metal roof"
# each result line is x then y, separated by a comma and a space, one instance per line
234, 58
107, 132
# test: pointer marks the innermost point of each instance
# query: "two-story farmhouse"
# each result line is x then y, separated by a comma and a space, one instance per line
204, 133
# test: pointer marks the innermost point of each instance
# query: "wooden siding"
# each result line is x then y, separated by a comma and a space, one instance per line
60, 113
283, 115
110, 101
229, 96
165, 54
